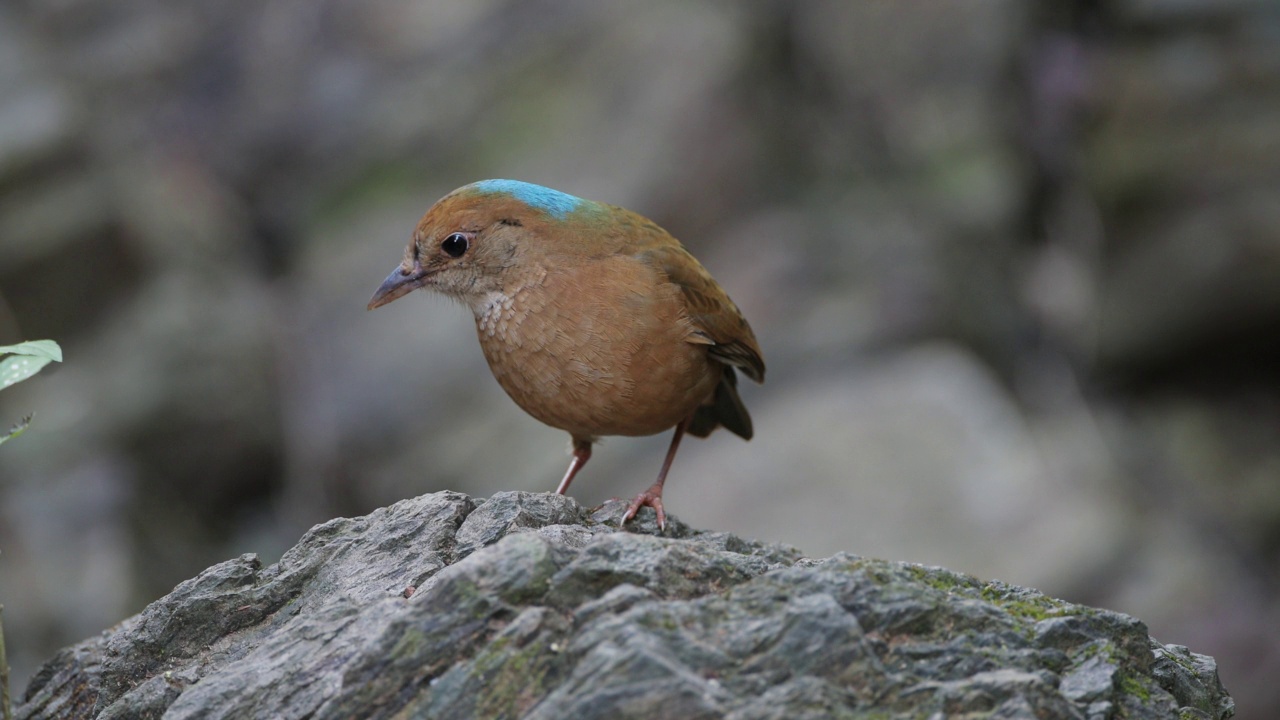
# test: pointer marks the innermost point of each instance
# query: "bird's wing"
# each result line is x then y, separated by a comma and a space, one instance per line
718, 321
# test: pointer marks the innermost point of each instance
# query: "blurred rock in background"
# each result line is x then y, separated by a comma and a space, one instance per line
1015, 269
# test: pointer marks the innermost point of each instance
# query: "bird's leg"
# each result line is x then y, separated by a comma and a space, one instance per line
653, 496
581, 454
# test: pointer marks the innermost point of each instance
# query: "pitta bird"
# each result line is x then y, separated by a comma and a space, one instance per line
592, 318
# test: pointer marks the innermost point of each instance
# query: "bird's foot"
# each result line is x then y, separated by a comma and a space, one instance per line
651, 497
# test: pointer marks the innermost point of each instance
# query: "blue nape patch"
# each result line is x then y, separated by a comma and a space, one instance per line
553, 202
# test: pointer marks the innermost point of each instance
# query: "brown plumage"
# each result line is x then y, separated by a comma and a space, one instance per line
592, 318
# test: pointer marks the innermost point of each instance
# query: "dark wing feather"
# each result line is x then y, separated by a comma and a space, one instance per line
725, 409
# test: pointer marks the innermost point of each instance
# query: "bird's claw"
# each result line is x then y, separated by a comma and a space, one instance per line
652, 498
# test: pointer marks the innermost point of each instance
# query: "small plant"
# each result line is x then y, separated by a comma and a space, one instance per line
25, 359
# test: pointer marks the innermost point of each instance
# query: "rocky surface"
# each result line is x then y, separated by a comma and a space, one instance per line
529, 606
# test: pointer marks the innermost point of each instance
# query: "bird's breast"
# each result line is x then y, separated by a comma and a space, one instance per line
597, 350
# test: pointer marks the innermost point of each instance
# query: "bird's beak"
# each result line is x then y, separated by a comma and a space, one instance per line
398, 283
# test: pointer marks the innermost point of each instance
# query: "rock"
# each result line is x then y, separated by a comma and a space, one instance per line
527, 605
1194, 679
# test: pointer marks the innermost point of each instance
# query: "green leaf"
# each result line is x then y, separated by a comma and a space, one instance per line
18, 368
36, 348
18, 429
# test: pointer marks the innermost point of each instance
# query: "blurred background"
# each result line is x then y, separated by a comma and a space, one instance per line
1015, 268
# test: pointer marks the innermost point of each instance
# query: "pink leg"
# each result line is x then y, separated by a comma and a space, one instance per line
653, 496
581, 454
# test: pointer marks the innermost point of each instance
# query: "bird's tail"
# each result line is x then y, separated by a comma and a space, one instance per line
725, 409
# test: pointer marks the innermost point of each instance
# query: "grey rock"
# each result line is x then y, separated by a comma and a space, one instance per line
524, 606
1093, 680
1194, 679
510, 512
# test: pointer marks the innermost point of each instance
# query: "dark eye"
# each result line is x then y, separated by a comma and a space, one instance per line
455, 245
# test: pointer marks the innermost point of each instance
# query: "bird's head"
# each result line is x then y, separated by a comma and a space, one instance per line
471, 243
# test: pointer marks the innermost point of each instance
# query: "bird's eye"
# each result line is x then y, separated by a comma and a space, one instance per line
455, 245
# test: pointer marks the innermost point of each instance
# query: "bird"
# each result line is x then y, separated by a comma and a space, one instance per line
592, 318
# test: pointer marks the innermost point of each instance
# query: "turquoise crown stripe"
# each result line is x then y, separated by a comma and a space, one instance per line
553, 202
